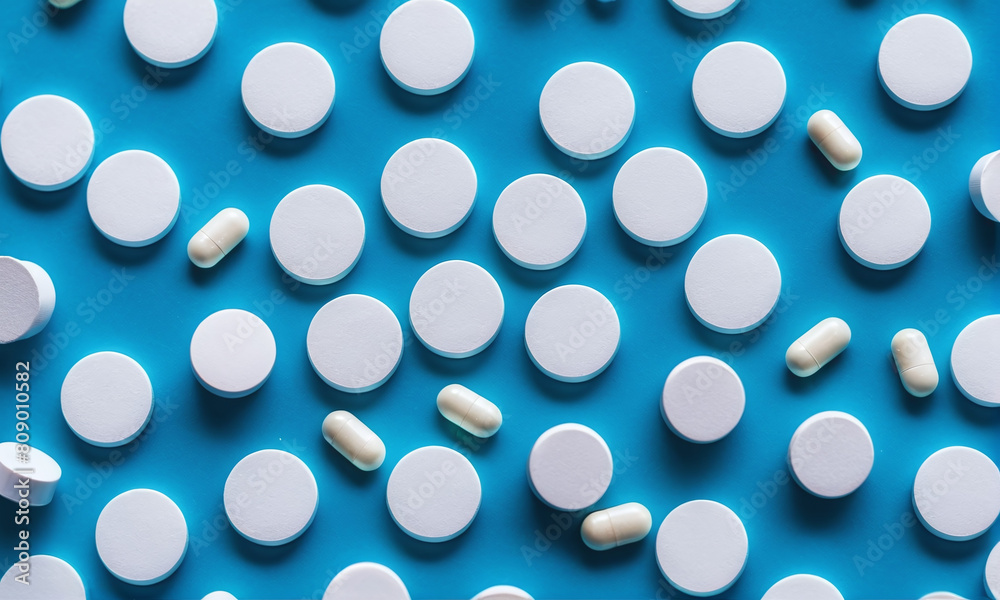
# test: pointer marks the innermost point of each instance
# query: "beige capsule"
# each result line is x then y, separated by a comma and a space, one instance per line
616, 526
352, 438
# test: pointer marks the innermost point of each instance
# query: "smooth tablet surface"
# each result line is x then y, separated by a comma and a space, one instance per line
288, 89
502, 592
107, 399
355, 343
739, 89
49, 578
456, 309
924, 62
539, 221
831, 454
232, 353
278, 511
957, 493
47, 142
134, 198
572, 333
27, 299
40, 470
317, 234
991, 575
802, 587
884, 222
570, 467
433, 494
171, 33
427, 46
429, 188
984, 185
703, 399
732, 283
141, 536
587, 110
974, 360
366, 581
701, 548
704, 9
219, 596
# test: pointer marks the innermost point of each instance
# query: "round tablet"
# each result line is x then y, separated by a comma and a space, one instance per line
539, 221
701, 548
134, 198
433, 494
570, 467
355, 343
288, 89
141, 537
738, 89
40, 469
974, 360
232, 353
456, 309
991, 577
427, 46
47, 142
503, 592
800, 587
317, 233
941, 596
107, 399
572, 333
220, 595
171, 33
27, 299
49, 578
984, 185
429, 188
831, 454
366, 581
884, 222
957, 493
704, 9
587, 110
924, 62
660, 196
270, 497
732, 283
703, 399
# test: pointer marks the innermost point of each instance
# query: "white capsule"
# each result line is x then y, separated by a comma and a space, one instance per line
354, 440
834, 140
818, 346
616, 526
914, 362
218, 237
469, 410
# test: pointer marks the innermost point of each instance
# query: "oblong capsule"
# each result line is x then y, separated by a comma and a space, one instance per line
218, 237
914, 362
469, 410
834, 140
616, 526
818, 346
352, 438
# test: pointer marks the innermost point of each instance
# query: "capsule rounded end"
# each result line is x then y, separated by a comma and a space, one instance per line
597, 532
203, 252
371, 456
920, 381
799, 361
334, 422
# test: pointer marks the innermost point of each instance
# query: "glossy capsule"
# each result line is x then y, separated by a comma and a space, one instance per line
616, 526
354, 440
818, 346
469, 410
218, 237
834, 140
914, 362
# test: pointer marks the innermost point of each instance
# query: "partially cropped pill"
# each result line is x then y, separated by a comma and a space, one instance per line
27, 299
469, 410
914, 362
984, 185
834, 140
354, 440
818, 346
218, 237
616, 526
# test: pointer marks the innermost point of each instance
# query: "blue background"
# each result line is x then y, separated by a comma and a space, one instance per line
194, 119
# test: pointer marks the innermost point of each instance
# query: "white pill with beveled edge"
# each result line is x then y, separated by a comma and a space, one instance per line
469, 410
275, 513
141, 536
831, 454
219, 595
288, 90
704, 9
366, 581
27, 299
502, 592
40, 470
539, 221
914, 362
884, 222
107, 399
570, 467
434, 494
941, 596
48, 577
924, 62
232, 353
738, 89
702, 548
834, 140
956, 493
818, 346
974, 359
134, 198
354, 440
616, 526
47, 142
991, 574
984, 185
802, 587
572, 333
171, 33
427, 46
218, 237
702, 400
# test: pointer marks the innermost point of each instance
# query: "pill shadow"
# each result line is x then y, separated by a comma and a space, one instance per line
68, 18
542, 280
804, 386
417, 104
575, 168
205, 277
604, 11
835, 177
874, 280
338, 7
347, 473
280, 147
451, 368
947, 550
979, 416
425, 552
163, 589
258, 554
553, 389
689, 460
532, 10
151, 77
910, 119
123, 255
412, 245
38, 201
461, 439
225, 417
820, 514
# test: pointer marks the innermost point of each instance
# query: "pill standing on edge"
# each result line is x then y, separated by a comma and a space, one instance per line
914, 362
616, 526
355, 440
27, 299
40, 470
837, 143
984, 185
818, 346
469, 410
218, 237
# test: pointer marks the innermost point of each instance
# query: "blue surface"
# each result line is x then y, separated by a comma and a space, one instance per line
193, 118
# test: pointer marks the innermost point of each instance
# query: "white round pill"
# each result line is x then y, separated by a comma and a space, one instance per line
984, 185
570, 467
427, 46
831, 454
941, 596
974, 359
802, 587
141, 536
232, 353
587, 110
49, 578
702, 548
171, 33
355, 343
134, 198
884, 222
107, 399
366, 581
739, 89
220, 595
288, 89
27, 299
660, 196
957, 493
317, 234
732, 283
270, 497
991, 575
705, 9
503, 592
433, 494
702, 400
456, 309
572, 333
47, 142
924, 62
539, 221
19, 462
429, 188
